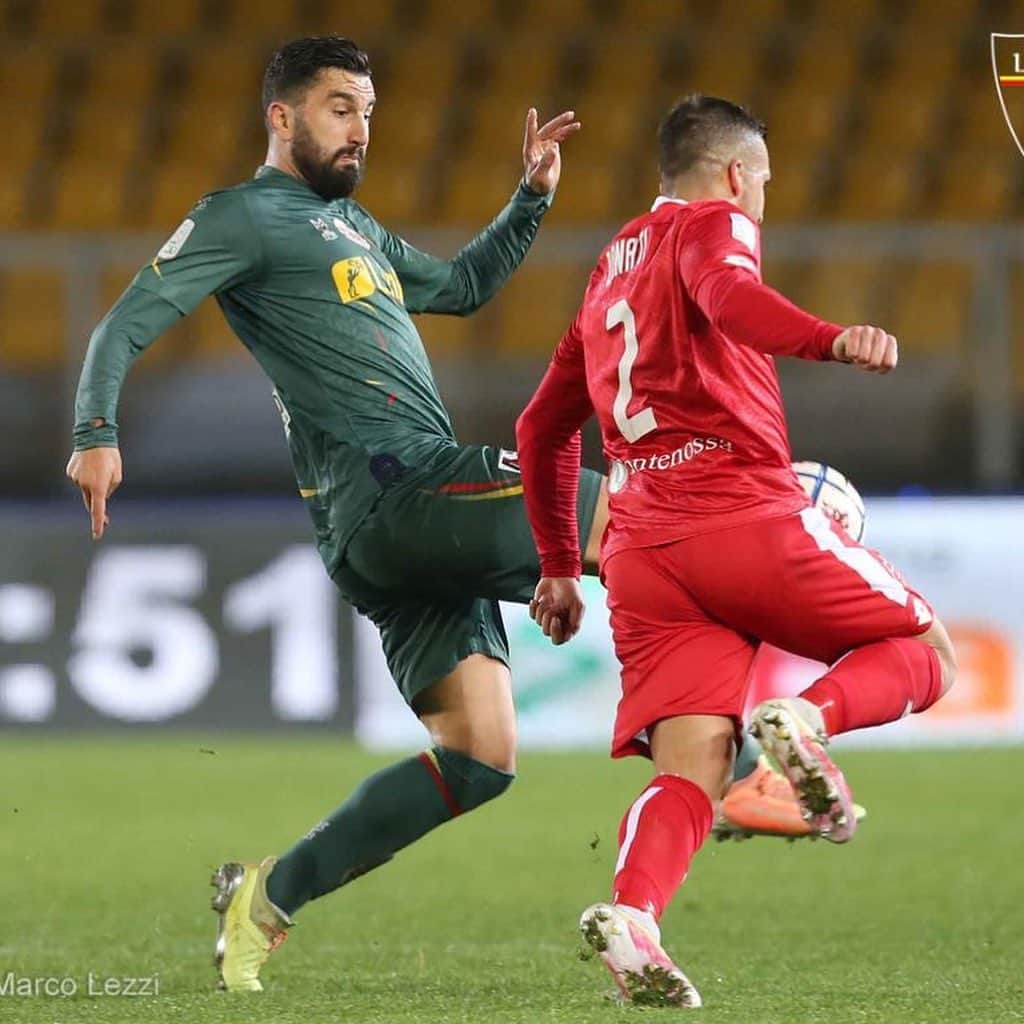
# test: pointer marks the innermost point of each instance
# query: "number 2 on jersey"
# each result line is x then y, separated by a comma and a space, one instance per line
643, 422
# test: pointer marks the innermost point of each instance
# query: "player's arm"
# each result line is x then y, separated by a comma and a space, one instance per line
719, 263
213, 249
463, 284
549, 444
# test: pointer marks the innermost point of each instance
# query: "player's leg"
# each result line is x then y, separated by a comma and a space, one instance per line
811, 590
450, 661
684, 679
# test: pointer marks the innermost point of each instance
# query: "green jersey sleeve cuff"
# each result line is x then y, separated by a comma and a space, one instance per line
88, 436
525, 195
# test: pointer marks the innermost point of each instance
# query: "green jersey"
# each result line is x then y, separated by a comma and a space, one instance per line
321, 294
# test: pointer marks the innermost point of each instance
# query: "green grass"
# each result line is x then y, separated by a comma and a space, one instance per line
107, 844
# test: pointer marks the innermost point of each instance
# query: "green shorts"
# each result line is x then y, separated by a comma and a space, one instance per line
431, 562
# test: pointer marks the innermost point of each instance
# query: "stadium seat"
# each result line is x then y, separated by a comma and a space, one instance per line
538, 304
978, 184
90, 195
930, 307
406, 130
70, 20
393, 192
175, 187
466, 15
158, 19
13, 199
478, 188
881, 184
32, 327
841, 291
444, 335
656, 15
591, 195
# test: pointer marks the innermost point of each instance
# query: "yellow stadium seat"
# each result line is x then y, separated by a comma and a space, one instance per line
826, 60
454, 334
802, 121
212, 339
523, 65
931, 306
725, 67
983, 125
897, 121
364, 23
160, 19
171, 347
479, 189
102, 130
880, 185
175, 187
70, 20
13, 199
258, 19
32, 327
657, 15
543, 16
28, 70
423, 68
844, 18
792, 194
123, 77
841, 291
208, 142
393, 192
466, 15
406, 130
627, 69
23, 145
90, 196
537, 305
498, 123
221, 74
589, 194
978, 184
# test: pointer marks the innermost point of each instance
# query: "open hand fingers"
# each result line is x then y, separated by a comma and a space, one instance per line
556, 124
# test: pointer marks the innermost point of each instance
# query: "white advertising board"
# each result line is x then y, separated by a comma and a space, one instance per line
966, 555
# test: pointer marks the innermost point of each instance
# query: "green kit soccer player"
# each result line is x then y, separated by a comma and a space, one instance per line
421, 534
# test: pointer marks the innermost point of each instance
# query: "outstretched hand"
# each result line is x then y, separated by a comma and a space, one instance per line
542, 161
97, 472
557, 607
869, 348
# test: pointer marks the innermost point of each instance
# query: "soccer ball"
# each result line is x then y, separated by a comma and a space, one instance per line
834, 495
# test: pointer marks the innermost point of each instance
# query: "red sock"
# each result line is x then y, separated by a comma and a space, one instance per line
877, 684
658, 837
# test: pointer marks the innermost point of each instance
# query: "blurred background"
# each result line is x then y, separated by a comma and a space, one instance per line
896, 199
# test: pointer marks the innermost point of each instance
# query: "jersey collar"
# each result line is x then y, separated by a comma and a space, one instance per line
662, 200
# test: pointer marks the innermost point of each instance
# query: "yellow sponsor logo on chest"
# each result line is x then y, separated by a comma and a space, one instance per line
358, 277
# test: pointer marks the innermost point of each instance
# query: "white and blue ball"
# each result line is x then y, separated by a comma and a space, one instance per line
830, 491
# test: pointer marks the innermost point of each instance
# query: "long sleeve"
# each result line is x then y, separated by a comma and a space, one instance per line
720, 264
549, 444
463, 284
213, 249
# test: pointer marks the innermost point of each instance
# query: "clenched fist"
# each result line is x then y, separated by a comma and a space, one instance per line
870, 348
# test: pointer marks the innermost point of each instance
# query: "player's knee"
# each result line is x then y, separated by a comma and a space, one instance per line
471, 782
938, 639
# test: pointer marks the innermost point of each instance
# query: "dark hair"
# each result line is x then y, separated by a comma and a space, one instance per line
694, 126
296, 64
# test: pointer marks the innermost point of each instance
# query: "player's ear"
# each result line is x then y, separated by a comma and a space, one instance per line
279, 117
735, 172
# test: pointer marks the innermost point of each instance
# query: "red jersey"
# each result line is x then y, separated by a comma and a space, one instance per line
673, 349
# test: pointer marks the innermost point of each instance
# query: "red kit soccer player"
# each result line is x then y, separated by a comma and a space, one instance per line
712, 546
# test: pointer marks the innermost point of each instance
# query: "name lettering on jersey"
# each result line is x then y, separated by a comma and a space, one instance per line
626, 254
350, 233
621, 470
357, 278
173, 245
326, 233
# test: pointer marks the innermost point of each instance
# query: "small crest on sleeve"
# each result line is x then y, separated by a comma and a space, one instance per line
173, 245
743, 230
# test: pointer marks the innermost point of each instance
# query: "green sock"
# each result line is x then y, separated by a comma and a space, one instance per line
386, 812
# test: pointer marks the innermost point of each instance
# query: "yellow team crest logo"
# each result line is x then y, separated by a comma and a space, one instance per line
1008, 68
352, 279
358, 278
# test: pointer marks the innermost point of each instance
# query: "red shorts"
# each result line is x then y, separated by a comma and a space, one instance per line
687, 618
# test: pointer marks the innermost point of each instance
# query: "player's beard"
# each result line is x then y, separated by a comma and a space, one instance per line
325, 176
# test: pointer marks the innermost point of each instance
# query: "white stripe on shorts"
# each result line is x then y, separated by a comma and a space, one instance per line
632, 821
858, 558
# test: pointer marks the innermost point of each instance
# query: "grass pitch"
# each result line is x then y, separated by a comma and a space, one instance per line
107, 844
